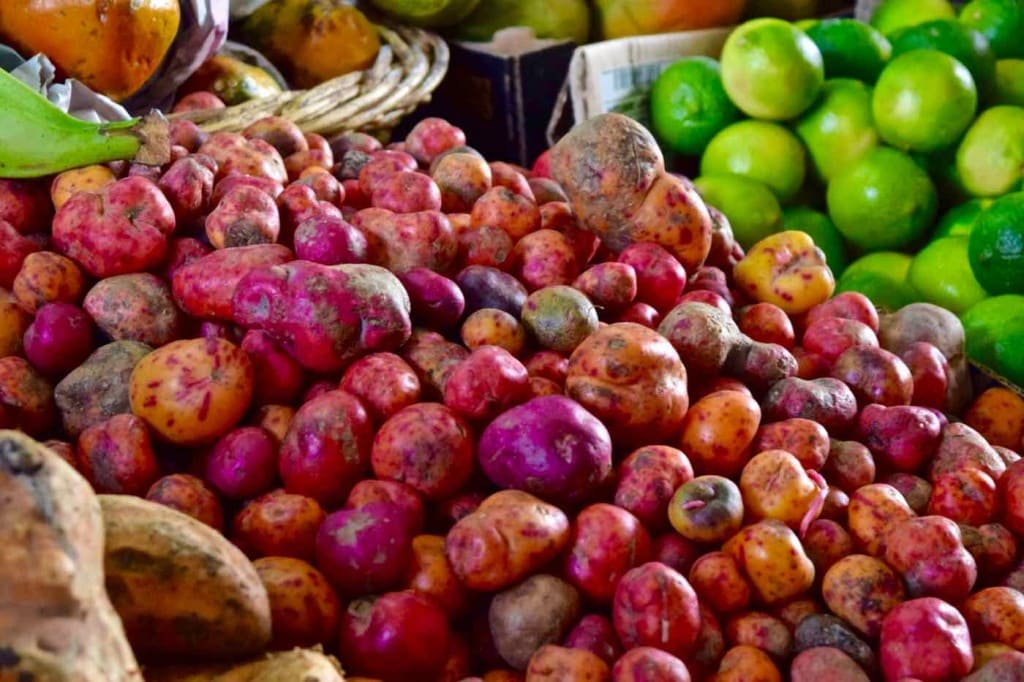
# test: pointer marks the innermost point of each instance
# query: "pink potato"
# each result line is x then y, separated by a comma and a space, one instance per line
606, 542
187, 134
642, 314
59, 339
427, 446
914, 489
767, 323
403, 241
297, 204
708, 297
382, 165
122, 228
655, 606
930, 371
649, 664
14, 249
407, 192
327, 448
930, 555
237, 155
136, 307
462, 179
25, 205
825, 663
329, 240
188, 186
431, 137
962, 447
512, 177
198, 101
830, 336
245, 216
596, 634
278, 524
660, 276
848, 305
544, 258
967, 496
399, 494
395, 636
325, 316
484, 245
874, 375
827, 401
365, 550
204, 287
550, 447
384, 382
489, 381
927, 639
271, 188
278, 376
343, 142
189, 495
243, 463
437, 302
611, 286
806, 440
116, 456
279, 132
648, 477
901, 437
324, 185
180, 252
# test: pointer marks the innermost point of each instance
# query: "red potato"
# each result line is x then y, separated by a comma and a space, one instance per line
642, 314
271, 188
403, 241
122, 228
875, 375
994, 549
962, 447
25, 205
706, 297
243, 463
606, 543
544, 258
542, 165
930, 372
513, 177
47, 277
806, 440
487, 245
767, 323
343, 142
407, 192
188, 186
489, 287
967, 496
327, 448
611, 286
365, 550
437, 302
674, 215
116, 456
656, 606
827, 401
648, 477
648, 664
278, 524
428, 447
558, 216
198, 101
26, 398
925, 638
660, 277
59, 339
295, 205
136, 307
848, 305
826, 542
304, 609
821, 629
279, 132
710, 646
401, 636
384, 382
14, 249
278, 377
329, 240
431, 137
320, 314
488, 382
548, 364
929, 553
554, 663
324, 185
760, 365
675, 551
508, 537
901, 437
189, 495
243, 217
820, 663
829, 337
915, 490
501, 207
382, 165
462, 179
181, 252
564, 456
204, 287
401, 495
596, 634
719, 583
433, 358
238, 155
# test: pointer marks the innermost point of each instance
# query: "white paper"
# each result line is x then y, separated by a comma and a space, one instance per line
70, 96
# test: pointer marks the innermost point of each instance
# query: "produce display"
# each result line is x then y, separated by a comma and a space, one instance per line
897, 144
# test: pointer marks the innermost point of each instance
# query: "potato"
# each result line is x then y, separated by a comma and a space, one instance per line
407, 192
136, 307
647, 664
489, 287
98, 388
243, 463
703, 336
403, 241
188, 186
180, 587
437, 302
26, 398
655, 605
203, 287
56, 621
433, 358
431, 574
329, 240
500, 207
462, 178
116, 456
607, 541
305, 665
538, 611
189, 495
370, 490
278, 524
596, 634
278, 377
47, 277
304, 608
544, 258
558, 664
243, 217
237, 155
384, 382
365, 550
59, 339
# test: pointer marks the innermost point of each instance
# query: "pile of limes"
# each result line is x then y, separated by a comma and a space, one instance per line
897, 144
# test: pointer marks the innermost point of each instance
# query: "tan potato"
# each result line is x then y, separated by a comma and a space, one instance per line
298, 665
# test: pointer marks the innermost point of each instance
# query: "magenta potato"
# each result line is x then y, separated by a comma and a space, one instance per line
930, 554
649, 664
399, 494
660, 277
279, 378
437, 302
829, 337
59, 339
243, 463
596, 634
902, 437
407, 192
925, 638
329, 240
365, 550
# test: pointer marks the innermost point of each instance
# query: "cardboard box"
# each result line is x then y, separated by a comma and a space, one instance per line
502, 93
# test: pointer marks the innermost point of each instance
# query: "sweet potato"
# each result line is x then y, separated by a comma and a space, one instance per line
325, 316
56, 621
180, 587
203, 287
98, 388
307, 665
536, 612
135, 307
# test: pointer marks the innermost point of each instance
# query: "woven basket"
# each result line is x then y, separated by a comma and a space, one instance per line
409, 66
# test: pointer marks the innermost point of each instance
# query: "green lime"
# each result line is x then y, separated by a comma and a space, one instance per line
822, 231
838, 129
962, 43
752, 209
941, 167
689, 105
1009, 360
882, 277
850, 48
759, 150
891, 15
984, 323
959, 220
884, 201
771, 69
997, 246
1001, 21
924, 100
990, 157
427, 13
1009, 82
941, 273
